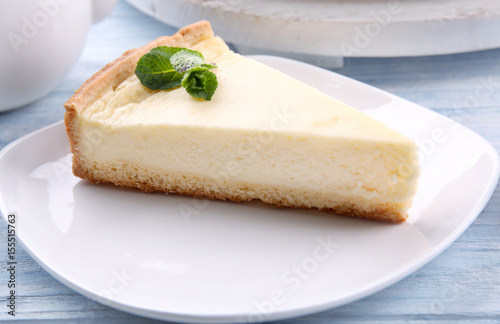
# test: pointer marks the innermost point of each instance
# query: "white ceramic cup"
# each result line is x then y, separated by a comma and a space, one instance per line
40, 41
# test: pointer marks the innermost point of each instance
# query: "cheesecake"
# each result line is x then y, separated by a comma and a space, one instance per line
263, 136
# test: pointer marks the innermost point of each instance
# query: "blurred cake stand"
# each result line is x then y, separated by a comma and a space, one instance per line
322, 32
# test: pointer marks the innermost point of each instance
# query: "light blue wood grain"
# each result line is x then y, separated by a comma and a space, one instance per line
461, 285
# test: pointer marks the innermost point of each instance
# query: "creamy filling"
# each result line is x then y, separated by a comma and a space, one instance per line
260, 127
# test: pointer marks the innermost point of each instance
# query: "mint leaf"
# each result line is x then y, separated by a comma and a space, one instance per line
187, 59
200, 82
165, 68
155, 70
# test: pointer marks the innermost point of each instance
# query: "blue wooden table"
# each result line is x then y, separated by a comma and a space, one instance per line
460, 285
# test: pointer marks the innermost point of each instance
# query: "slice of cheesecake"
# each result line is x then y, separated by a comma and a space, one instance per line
264, 135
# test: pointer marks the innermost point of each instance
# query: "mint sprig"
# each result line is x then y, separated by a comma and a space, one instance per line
199, 82
165, 68
186, 59
155, 71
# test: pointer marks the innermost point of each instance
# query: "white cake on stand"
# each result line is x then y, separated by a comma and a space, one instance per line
322, 32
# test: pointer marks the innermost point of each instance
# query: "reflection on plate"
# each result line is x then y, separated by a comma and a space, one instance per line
181, 259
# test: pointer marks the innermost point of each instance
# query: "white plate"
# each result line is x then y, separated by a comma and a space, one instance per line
180, 259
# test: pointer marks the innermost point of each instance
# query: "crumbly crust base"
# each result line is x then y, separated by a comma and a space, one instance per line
114, 74
148, 180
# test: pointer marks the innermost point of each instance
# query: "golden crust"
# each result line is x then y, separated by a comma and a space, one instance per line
134, 176
114, 74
